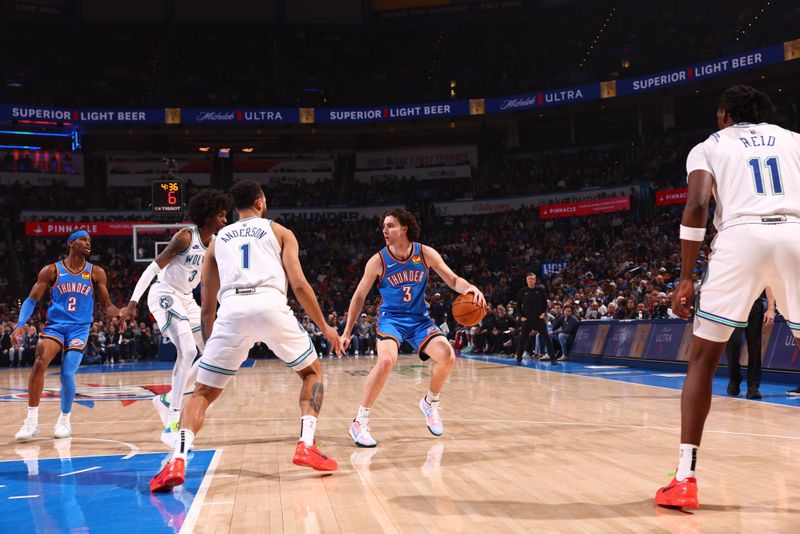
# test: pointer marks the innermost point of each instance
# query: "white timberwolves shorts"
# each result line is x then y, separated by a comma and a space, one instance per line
746, 258
171, 309
243, 320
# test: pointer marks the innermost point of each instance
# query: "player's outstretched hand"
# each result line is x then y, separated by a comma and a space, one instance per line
333, 337
129, 312
346, 342
17, 335
682, 299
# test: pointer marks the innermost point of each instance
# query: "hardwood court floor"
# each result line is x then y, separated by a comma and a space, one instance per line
525, 450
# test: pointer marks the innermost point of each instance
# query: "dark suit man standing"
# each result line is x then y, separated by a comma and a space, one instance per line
532, 302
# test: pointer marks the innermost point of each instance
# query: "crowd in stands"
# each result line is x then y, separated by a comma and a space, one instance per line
609, 268
534, 47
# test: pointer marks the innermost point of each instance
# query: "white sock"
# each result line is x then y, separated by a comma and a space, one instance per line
174, 415
64, 417
432, 397
184, 443
363, 414
687, 461
308, 423
33, 413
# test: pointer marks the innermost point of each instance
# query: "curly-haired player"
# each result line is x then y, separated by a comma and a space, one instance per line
177, 270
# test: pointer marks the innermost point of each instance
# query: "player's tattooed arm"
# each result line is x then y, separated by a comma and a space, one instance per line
179, 243
317, 393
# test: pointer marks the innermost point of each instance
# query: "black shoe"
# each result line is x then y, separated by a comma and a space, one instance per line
794, 392
754, 394
519, 360
733, 390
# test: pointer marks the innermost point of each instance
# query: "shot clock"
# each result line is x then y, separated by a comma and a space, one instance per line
167, 196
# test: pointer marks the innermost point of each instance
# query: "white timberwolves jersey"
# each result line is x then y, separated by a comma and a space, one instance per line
756, 169
183, 272
249, 256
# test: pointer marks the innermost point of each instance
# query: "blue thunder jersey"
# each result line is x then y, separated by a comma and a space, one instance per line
403, 284
71, 296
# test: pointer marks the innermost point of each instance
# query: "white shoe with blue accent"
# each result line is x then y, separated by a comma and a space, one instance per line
360, 433
432, 417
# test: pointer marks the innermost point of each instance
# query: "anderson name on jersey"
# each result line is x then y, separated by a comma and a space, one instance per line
249, 256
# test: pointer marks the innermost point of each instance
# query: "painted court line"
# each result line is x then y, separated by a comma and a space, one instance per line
197, 503
212, 503
81, 471
23, 497
670, 375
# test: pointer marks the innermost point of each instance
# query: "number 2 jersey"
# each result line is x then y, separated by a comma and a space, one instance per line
756, 169
71, 296
403, 283
183, 273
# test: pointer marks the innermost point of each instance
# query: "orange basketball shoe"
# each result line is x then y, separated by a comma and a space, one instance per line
171, 475
683, 494
306, 456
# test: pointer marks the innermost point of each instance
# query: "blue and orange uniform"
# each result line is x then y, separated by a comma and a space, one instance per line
69, 318
403, 314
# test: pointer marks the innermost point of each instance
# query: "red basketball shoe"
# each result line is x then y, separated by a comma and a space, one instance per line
682, 494
306, 456
171, 475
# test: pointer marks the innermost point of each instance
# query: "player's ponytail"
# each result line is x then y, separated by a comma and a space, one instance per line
744, 103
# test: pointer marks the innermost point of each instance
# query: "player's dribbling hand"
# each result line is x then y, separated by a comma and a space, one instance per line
335, 340
129, 312
17, 335
477, 296
682, 299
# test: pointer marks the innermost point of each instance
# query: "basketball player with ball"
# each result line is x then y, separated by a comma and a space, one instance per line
401, 269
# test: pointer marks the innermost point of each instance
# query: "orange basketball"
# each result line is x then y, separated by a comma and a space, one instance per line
467, 312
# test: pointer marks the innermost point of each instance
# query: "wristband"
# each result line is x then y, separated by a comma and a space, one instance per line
690, 233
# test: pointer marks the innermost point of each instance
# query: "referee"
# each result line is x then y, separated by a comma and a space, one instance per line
532, 303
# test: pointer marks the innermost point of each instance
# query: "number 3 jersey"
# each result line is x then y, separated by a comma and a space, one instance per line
403, 283
183, 273
71, 296
756, 169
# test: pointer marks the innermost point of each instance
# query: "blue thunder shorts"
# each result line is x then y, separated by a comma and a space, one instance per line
417, 331
69, 336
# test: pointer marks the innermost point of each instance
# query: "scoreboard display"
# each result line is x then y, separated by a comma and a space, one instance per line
168, 196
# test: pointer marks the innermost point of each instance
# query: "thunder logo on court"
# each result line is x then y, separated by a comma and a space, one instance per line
87, 394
